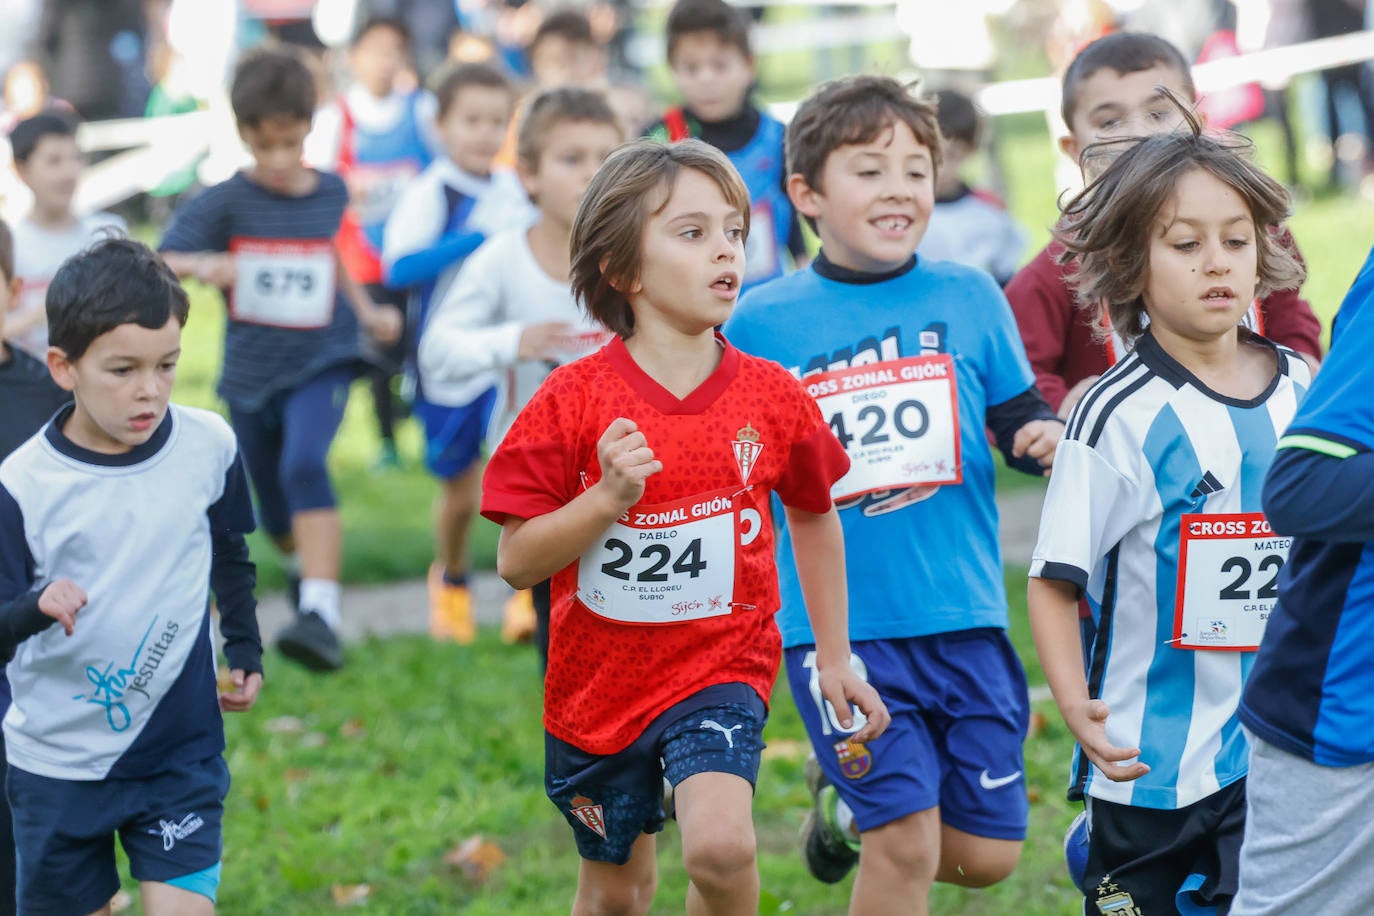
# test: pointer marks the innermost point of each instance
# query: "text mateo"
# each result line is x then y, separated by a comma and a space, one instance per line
152, 660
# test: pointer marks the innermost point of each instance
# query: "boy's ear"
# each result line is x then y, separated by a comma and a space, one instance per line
804, 197
60, 368
527, 178
1069, 147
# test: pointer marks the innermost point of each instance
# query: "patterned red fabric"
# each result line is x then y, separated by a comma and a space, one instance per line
608, 680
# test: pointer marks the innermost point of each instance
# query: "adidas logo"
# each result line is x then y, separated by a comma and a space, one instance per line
1207, 486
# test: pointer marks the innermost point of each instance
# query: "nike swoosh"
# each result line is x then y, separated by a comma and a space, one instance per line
987, 782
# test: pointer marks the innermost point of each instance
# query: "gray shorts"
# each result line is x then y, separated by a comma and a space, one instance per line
1309, 837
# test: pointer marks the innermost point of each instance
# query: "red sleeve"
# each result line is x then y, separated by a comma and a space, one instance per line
1043, 305
531, 472
814, 463
1288, 317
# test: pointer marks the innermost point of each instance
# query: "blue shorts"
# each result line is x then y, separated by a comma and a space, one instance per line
610, 800
454, 435
959, 718
170, 826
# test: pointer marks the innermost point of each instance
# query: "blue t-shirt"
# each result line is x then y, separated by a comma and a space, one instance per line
262, 356
915, 568
1311, 692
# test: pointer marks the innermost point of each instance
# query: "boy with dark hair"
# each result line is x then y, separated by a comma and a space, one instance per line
713, 66
970, 226
442, 217
48, 162
377, 138
291, 342
115, 523
1111, 90
640, 479
910, 360
564, 52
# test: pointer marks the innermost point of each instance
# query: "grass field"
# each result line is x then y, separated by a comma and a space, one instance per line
371, 777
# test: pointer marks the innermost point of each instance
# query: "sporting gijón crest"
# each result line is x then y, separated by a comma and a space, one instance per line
747, 447
589, 813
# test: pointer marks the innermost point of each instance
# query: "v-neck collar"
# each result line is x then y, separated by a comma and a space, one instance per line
663, 400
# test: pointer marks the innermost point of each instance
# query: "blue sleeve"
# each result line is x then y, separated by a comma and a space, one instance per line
200, 224
426, 265
1310, 494
1006, 371
233, 576
20, 617
1004, 420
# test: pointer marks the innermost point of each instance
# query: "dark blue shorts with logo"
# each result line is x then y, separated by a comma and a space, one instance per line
611, 800
169, 824
959, 718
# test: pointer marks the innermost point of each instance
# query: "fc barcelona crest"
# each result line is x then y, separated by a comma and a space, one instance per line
746, 447
589, 813
855, 760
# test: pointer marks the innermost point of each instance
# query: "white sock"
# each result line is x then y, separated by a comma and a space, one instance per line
322, 597
844, 819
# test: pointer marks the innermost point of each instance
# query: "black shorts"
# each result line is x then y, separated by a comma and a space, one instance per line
1141, 861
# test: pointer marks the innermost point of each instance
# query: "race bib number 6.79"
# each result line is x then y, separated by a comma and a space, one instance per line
1228, 573
284, 283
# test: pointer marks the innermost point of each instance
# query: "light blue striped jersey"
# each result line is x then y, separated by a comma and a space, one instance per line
1148, 444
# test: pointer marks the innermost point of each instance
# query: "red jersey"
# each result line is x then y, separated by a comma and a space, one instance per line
679, 593
1064, 349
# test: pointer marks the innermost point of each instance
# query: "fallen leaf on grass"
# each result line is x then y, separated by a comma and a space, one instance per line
350, 894
475, 858
1033, 795
284, 725
314, 739
353, 728
262, 802
121, 902
1037, 724
297, 774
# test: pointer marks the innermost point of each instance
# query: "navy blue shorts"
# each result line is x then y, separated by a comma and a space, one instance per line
454, 435
170, 826
959, 718
610, 800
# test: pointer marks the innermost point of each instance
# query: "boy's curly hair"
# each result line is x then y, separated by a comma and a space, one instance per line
1106, 229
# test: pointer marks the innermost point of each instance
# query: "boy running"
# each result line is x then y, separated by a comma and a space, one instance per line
639, 478
116, 521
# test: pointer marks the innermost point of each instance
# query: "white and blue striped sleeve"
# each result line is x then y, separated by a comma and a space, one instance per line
1088, 510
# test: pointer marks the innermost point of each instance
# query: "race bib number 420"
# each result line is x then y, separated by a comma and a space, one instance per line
284, 283
667, 563
898, 420
1228, 574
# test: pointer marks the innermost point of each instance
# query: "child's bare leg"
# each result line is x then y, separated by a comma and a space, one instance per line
454, 513
897, 865
604, 889
165, 900
318, 537
715, 813
975, 861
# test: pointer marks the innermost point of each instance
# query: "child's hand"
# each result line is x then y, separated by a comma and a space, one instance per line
626, 461
1089, 725
217, 270
544, 340
841, 686
60, 601
384, 324
1038, 439
244, 694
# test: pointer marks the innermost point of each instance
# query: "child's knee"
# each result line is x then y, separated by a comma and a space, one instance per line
719, 859
990, 862
629, 895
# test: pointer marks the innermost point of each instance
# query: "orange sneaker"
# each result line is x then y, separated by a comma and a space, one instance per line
517, 620
450, 610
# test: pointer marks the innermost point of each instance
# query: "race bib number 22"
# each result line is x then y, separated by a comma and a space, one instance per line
1228, 573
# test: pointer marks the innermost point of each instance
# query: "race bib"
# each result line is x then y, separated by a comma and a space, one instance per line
761, 247
1228, 573
376, 187
898, 420
283, 283
667, 563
